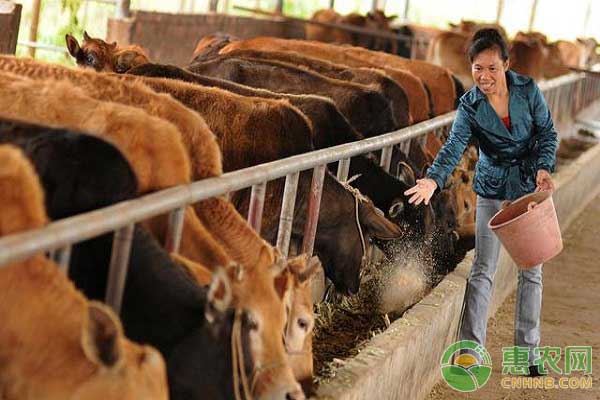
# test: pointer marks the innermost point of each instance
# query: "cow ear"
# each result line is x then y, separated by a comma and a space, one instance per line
219, 295
72, 45
406, 174
86, 37
312, 267
101, 336
391, 17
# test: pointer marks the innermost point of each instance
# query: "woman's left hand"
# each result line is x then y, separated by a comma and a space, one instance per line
544, 181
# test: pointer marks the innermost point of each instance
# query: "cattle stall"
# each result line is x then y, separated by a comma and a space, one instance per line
566, 97
157, 32
10, 19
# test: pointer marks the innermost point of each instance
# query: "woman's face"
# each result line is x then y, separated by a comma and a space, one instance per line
488, 71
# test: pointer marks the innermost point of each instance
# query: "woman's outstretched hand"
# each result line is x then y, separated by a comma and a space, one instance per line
422, 191
544, 181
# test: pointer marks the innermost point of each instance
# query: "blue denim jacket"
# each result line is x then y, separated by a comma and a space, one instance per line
508, 160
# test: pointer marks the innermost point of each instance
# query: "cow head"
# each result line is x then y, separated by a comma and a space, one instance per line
347, 224
93, 53
122, 370
301, 320
102, 56
262, 294
240, 347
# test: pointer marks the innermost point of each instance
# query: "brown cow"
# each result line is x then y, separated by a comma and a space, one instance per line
326, 34
101, 56
449, 50
438, 80
82, 352
531, 53
415, 90
371, 77
366, 109
375, 21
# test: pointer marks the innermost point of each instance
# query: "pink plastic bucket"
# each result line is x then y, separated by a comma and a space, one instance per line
528, 229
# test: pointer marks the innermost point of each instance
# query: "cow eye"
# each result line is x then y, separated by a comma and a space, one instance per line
90, 59
303, 324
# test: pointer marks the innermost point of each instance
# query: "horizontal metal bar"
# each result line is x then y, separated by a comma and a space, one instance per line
43, 46
74, 229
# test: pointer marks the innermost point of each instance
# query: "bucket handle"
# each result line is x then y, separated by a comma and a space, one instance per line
531, 205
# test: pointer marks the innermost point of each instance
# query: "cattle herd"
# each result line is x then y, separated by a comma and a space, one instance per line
227, 316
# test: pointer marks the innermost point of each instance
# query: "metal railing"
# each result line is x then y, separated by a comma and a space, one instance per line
565, 95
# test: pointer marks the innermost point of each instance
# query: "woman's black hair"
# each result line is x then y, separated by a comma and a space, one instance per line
487, 38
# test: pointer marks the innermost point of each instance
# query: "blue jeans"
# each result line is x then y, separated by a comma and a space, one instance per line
480, 284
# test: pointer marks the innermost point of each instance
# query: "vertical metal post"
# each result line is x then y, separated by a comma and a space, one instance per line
405, 13
405, 146
532, 15
123, 9
386, 158
212, 5
257, 202
33, 29
119, 262
314, 204
499, 10
586, 21
331, 3
62, 257
343, 168
286, 218
374, 5
413, 47
175, 230
279, 7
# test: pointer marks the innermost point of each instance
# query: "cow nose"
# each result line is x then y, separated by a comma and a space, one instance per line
295, 395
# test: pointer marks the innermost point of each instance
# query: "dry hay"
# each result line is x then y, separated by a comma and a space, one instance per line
345, 324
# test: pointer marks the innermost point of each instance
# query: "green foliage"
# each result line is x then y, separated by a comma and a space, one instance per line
71, 7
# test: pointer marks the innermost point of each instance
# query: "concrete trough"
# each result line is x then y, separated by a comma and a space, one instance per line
403, 362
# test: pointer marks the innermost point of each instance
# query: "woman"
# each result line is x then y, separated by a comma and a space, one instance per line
508, 115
